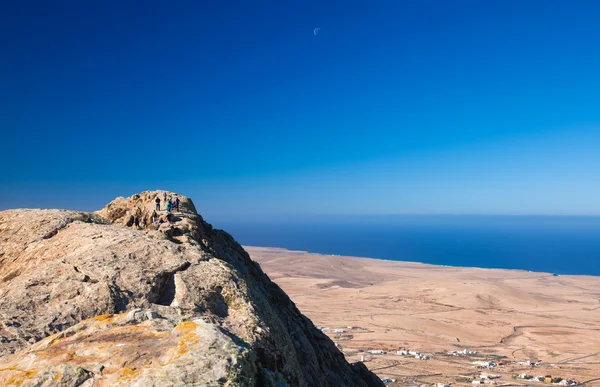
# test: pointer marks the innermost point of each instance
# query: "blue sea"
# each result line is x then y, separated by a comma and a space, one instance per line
554, 244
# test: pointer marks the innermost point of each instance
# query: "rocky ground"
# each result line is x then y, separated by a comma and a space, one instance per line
90, 299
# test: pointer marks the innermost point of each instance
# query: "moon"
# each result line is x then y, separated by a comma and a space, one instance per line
316, 31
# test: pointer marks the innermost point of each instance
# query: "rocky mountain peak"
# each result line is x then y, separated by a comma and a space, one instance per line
133, 296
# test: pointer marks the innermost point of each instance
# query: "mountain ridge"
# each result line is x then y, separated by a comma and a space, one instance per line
91, 299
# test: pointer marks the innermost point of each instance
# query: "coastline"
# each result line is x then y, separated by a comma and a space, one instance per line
284, 250
510, 315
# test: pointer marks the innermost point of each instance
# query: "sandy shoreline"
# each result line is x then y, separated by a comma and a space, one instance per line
513, 315
303, 252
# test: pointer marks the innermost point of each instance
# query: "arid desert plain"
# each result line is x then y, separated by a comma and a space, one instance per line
498, 323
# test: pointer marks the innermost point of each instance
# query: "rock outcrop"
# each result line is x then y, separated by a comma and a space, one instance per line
92, 299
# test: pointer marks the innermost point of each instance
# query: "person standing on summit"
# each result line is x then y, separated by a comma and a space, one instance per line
137, 217
157, 200
177, 202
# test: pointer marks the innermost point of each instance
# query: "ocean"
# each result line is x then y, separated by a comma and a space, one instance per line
554, 244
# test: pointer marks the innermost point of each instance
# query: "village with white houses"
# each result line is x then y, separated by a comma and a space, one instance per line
507, 370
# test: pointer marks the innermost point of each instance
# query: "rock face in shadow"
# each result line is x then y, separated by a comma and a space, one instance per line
91, 299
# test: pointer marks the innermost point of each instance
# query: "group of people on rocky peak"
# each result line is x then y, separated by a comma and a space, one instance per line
139, 219
171, 204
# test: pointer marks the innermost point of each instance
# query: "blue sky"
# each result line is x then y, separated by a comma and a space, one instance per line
486, 107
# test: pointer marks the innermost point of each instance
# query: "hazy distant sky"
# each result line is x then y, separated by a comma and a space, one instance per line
393, 107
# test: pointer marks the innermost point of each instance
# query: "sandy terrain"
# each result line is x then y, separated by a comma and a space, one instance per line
506, 316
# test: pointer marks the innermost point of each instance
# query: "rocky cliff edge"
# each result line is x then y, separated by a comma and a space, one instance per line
91, 299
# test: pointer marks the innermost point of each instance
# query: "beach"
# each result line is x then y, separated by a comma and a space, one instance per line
450, 324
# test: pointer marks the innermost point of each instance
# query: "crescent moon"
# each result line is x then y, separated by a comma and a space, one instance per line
316, 31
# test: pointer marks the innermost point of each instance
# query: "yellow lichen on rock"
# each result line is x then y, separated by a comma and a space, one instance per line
17, 377
188, 339
128, 374
186, 326
103, 317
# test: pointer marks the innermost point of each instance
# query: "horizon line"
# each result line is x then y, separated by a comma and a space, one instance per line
417, 214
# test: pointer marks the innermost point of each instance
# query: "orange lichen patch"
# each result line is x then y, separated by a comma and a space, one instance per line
161, 334
56, 377
129, 373
20, 377
188, 338
102, 317
186, 326
98, 345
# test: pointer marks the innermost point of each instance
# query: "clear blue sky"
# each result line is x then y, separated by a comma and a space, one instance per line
393, 107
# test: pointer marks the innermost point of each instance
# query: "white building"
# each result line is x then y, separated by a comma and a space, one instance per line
489, 376
462, 352
484, 364
423, 357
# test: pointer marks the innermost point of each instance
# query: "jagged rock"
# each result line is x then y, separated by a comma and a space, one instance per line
85, 301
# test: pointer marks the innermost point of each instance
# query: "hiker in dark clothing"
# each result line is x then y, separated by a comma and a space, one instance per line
154, 216
177, 202
145, 222
161, 221
157, 200
137, 217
